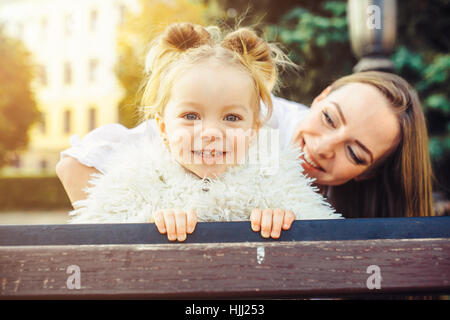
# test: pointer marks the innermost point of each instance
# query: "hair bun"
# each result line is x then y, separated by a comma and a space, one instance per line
246, 42
183, 36
254, 52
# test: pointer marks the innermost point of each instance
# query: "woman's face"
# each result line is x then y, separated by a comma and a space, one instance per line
209, 119
345, 132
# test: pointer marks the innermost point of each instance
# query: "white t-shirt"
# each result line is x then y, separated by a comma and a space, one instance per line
95, 148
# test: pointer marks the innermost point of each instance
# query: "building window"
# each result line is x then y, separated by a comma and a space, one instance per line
67, 73
93, 66
67, 121
20, 30
42, 123
122, 13
15, 162
93, 20
42, 75
92, 118
43, 28
43, 164
68, 25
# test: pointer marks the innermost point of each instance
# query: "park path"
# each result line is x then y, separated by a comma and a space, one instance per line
34, 217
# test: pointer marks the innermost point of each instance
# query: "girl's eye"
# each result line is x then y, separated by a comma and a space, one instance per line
232, 117
328, 118
191, 116
354, 157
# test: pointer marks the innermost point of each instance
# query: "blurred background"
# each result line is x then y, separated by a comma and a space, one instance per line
68, 67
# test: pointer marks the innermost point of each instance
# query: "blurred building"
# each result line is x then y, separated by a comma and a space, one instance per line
73, 44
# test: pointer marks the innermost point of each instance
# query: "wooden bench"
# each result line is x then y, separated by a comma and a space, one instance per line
320, 258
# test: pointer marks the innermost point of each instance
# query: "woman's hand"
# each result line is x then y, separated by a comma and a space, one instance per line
271, 221
176, 223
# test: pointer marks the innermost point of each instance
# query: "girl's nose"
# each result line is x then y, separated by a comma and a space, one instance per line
211, 133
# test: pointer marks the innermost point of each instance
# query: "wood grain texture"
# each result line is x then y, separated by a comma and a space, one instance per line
227, 270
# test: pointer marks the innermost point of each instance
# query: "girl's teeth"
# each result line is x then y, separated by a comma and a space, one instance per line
208, 153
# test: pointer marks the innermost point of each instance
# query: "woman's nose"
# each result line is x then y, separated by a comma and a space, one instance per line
325, 146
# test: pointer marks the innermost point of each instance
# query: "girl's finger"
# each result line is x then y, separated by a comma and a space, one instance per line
289, 217
277, 223
266, 223
191, 221
169, 219
255, 218
180, 222
159, 222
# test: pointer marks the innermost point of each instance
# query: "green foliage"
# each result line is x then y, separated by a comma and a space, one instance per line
32, 193
18, 108
319, 42
430, 74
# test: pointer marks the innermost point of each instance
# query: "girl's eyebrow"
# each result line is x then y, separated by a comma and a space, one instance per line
190, 103
224, 108
341, 115
236, 106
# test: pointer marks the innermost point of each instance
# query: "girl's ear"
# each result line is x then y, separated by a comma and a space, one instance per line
160, 124
322, 95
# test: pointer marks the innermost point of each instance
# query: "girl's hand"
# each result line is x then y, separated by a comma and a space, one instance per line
176, 223
271, 221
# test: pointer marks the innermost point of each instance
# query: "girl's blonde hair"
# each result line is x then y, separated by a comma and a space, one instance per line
401, 184
184, 44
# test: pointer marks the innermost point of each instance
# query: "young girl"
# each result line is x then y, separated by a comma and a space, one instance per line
205, 95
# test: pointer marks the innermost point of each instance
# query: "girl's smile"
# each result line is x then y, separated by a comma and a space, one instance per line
208, 156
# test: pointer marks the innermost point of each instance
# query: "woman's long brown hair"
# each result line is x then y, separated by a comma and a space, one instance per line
400, 185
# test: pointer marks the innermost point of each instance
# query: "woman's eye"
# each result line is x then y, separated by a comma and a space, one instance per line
231, 117
354, 157
191, 116
328, 118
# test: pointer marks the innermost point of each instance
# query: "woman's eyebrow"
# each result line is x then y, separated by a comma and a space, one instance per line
338, 108
365, 149
341, 115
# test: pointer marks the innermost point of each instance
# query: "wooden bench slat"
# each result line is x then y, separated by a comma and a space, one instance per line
227, 260
227, 232
227, 270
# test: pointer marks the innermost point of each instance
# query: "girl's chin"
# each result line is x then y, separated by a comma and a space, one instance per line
207, 171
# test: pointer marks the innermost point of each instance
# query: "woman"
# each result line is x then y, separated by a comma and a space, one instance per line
365, 142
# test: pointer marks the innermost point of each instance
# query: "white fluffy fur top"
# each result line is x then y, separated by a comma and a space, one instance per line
143, 178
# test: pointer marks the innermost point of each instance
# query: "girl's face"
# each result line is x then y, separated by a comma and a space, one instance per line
209, 118
345, 132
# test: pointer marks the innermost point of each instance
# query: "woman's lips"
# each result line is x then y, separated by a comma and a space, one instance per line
309, 163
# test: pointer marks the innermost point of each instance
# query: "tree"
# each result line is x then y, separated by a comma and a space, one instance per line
318, 41
133, 42
18, 109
